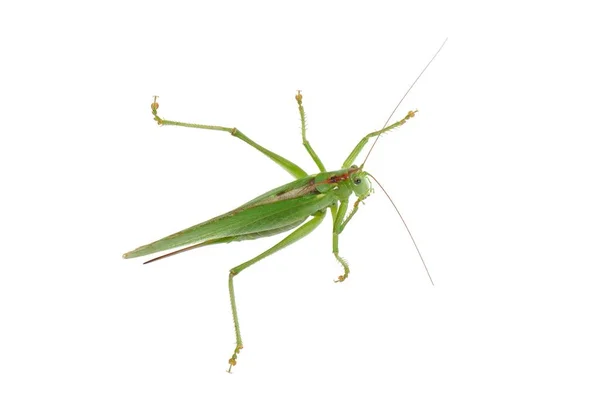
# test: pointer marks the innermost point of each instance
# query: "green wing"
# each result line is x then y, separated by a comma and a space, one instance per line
277, 210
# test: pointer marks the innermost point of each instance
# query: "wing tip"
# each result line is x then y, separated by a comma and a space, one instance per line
130, 254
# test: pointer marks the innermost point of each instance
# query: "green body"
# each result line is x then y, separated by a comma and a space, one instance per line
282, 209
276, 211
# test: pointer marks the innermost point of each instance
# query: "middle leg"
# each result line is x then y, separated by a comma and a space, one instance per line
305, 142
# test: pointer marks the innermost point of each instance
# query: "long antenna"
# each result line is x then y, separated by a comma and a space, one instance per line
402, 99
405, 225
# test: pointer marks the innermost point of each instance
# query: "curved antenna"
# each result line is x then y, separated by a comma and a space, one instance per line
405, 225
402, 99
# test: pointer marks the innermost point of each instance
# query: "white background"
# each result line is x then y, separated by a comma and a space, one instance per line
497, 177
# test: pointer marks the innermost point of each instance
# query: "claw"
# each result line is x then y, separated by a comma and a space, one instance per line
232, 360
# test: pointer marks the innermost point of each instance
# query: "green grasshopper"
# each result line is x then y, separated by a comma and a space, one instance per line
284, 208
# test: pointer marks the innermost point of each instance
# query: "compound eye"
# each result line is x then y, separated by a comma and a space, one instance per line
357, 181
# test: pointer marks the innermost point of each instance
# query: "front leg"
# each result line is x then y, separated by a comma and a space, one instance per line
339, 223
338, 226
359, 147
